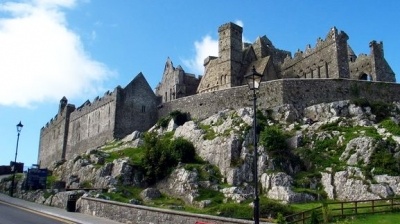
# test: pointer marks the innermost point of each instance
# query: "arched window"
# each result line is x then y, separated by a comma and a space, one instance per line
365, 77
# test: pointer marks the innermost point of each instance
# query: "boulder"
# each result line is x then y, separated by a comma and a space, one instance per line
149, 194
181, 183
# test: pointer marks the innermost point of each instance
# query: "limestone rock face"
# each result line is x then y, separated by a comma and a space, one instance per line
351, 184
149, 194
278, 187
393, 182
182, 184
81, 172
226, 149
225, 140
358, 150
238, 194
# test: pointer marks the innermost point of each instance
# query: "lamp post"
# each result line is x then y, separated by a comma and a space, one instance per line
19, 128
253, 80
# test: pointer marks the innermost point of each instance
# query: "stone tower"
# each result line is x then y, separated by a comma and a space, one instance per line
63, 104
230, 53
380, 69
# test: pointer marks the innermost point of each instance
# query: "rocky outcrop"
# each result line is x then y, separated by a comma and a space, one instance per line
359, 151
182, 184
226, 149
278, 186
351, 184
149, 194
225, 140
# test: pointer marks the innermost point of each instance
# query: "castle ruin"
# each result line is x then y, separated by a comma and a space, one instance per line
328, 72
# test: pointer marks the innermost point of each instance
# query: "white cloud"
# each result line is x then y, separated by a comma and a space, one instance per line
204, 48
239, 23
41, 59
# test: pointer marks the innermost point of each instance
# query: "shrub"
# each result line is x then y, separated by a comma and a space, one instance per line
273, 208
273, 139
162, 154
179, 117
182, 150
163, 122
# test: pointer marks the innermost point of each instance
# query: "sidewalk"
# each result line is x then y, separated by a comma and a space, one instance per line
58, 212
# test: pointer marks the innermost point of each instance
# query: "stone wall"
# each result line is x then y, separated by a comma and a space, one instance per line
92, 124
127, 213
136, 110
299, 92
327, 60
53, 137
176, 83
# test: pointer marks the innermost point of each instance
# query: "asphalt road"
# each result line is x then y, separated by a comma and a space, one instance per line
11, 214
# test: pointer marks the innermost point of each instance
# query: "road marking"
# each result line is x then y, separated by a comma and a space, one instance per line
39, 213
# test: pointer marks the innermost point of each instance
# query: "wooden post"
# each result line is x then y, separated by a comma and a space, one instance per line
373, 206
341, 208
355, 203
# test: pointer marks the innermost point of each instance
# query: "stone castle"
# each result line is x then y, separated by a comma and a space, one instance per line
328, 72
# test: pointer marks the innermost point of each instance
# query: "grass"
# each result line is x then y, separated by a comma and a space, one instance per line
334, 209
391, 126
124, 194
386, 218
136, 155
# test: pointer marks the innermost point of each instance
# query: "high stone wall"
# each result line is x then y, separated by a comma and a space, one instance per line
300, 93
92, 124
53, 138
136, 109
328, 59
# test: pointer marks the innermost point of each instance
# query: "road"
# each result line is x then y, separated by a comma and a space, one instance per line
11, 214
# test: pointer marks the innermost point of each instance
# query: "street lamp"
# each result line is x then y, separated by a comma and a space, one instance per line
253, 80
19, 128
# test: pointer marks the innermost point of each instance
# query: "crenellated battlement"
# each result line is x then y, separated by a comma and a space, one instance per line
331, 38
325, 72
88, 106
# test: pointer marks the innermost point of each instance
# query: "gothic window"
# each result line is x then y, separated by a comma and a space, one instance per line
88, 128
326, 70
319, 72
365, 77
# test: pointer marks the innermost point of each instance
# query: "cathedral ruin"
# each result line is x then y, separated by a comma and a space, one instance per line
331, 65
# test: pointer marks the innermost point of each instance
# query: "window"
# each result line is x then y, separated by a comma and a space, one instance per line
143, 109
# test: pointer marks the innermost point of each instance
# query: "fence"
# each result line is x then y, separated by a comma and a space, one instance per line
347, 208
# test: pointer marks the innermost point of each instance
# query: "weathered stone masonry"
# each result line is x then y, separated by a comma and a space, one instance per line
328, 72
298, 92
113, 116
128, 213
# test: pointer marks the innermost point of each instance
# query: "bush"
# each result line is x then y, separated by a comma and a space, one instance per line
273, 139
162, 154
182, 150
163, 122
273, 208
179, 117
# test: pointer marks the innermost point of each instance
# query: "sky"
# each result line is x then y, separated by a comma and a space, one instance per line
82, 48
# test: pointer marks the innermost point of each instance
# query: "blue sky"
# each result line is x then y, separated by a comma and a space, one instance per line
82, 48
